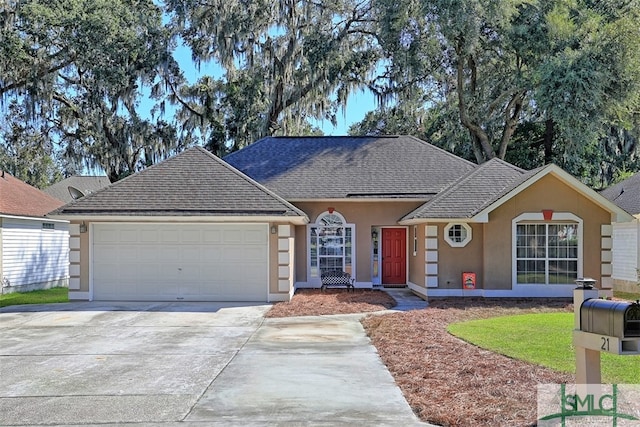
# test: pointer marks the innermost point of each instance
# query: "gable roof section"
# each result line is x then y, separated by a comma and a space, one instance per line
476, 190
347, 167
625, 194
473, 192
193, 183
86, 184
21, 199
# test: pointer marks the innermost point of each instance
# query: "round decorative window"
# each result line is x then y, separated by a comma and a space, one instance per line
457, 235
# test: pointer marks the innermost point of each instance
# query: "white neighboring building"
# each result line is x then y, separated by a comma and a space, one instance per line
34, 250
625, 251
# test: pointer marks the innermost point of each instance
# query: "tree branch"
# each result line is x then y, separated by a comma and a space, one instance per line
511, 117
40, 74
475, 129
64, 100
182, 102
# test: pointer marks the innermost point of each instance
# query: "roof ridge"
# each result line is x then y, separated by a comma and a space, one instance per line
329, 136
251, 181
455, 185
505, 163
423, 142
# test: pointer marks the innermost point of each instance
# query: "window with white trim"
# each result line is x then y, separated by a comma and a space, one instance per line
330, 245
547, 253
457, 235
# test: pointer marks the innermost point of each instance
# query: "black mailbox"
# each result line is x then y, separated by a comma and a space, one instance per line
611, 318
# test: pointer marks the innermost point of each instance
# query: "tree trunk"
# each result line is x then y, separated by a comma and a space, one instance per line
548, 141
511, 117
478, 134
477, 149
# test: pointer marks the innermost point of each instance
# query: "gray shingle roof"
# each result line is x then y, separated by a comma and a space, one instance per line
473, 192
86, 184
625, 194
303, 168
195, 182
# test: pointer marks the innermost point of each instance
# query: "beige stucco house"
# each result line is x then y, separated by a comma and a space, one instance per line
390, 211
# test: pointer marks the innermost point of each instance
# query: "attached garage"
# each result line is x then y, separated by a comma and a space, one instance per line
183, 262
191, 228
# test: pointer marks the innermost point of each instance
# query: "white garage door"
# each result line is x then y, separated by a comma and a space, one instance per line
180, 262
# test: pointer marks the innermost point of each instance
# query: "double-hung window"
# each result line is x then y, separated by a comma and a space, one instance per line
547, 253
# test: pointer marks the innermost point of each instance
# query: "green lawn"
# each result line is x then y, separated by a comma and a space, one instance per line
46, 296
544, 339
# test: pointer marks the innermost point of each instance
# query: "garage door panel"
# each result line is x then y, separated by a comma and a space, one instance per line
210, 271
212, 254
190, 262
104, 269
191, 236
128, 252
193, 254
254, 254
103, 252
149, 236
168, 273
167, 254
233, 254
191, 274
148, 277
256, 237
212, 236
146, 256
250, 271
105, 236
128, 273
129, 236
170, 236
231, 236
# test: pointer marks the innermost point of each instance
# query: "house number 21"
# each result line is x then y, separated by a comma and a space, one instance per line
605, 343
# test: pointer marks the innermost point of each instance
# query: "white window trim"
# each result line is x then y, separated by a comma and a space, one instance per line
316, 281
538, 216
326, 213
462, 244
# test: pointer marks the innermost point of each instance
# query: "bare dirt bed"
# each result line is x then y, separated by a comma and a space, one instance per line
445, 380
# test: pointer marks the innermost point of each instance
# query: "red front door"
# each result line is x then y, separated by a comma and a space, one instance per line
394, 256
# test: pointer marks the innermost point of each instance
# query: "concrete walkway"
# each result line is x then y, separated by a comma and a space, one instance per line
406, 299
316, 370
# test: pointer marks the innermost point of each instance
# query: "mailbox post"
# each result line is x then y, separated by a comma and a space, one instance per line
587, 359
601, 325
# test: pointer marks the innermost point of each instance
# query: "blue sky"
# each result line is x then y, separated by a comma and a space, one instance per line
358, 104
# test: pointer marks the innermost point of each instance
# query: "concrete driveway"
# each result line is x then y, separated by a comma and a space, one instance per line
189, 364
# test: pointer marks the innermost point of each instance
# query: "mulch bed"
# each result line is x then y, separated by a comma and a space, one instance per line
445, 380
453, 383
314, 302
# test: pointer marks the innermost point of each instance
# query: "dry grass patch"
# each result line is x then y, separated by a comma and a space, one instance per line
313, 302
